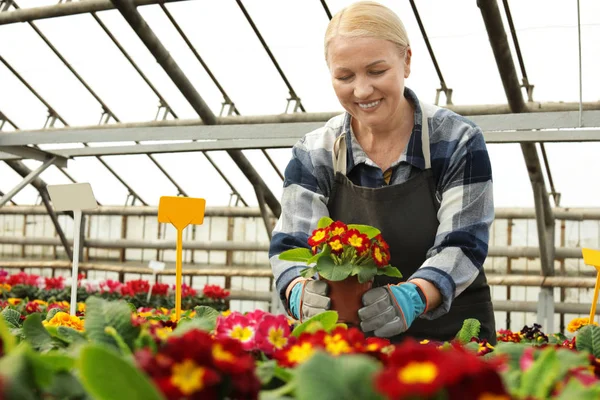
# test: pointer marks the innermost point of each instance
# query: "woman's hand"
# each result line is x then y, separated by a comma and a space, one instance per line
309, 298
390, 310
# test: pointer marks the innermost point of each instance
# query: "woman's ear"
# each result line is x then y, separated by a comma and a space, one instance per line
407, 57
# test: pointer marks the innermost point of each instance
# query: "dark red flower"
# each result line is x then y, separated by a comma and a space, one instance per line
55, 283
160, 289
188, 291
215, 292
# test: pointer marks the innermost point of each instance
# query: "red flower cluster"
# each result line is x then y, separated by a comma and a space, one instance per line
188, 291
417, 371
160, 289
131, 288
21, 278
215, 292
339, 237
196, 366
55, 283
339, 341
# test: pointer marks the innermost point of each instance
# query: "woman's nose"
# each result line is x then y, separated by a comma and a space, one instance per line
362, 89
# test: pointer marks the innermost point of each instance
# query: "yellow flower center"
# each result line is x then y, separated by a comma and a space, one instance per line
319, 235
377, 254
163, 332
336, 245
417, 372
356, 241
241, 333
277, 338
424, 341
226, 313
337, 346
338, 231
187, 377
221, 354
40, 302
300, 353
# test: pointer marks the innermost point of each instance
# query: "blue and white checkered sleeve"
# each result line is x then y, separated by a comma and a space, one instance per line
465, 215
302, 205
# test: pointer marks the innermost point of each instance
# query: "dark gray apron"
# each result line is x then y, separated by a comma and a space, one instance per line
406, 215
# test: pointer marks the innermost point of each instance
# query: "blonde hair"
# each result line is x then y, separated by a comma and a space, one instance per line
367, 19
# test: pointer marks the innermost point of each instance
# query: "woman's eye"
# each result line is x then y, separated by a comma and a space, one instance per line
381, 72
344, 78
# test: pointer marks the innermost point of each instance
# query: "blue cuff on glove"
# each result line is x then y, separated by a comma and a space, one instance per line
409, 300
295, 297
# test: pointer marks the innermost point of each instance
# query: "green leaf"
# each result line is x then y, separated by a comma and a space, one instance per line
324, 222
308, 272
70, 335
265, 371
65, 386
327, 319
208, 316
12, 317
36, 334
17, 369
588, 339
324, 253
514, 352
575, 390
346, 377
470, 329
370, 231
102, 313
366, 273
107, 376
8, 340
185, 326
389, 271
541, 377
330, 271
52, 313
300, 254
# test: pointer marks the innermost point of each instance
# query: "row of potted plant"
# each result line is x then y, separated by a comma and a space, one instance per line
113, 350
139, 292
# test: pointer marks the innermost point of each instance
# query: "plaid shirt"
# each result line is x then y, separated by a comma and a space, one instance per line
463, 176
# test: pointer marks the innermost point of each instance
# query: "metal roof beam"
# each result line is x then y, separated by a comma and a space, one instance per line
528, 127
499, 43
139, 25
443, 88
293, 95
64, 9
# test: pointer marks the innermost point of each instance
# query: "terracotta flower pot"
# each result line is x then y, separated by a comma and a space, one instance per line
346, 298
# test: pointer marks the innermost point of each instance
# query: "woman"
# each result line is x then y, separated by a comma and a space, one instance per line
419, 173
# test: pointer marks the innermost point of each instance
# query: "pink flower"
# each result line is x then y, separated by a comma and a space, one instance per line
526, 359
256, 316
273, 333
236, 326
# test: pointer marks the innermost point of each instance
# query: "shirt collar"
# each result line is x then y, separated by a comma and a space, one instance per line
412, 154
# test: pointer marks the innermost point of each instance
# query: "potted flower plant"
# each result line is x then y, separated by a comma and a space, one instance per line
348, 257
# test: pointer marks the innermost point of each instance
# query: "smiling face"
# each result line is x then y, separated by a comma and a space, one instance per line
368, 78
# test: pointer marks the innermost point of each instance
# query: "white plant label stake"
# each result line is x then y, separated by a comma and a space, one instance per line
74, 197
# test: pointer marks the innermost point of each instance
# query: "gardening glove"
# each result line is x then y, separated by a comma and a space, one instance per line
309, 298
390, 310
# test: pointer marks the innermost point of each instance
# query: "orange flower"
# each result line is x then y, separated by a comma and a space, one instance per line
64, 319
578, 323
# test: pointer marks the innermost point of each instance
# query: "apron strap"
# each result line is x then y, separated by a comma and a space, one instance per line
339, 157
